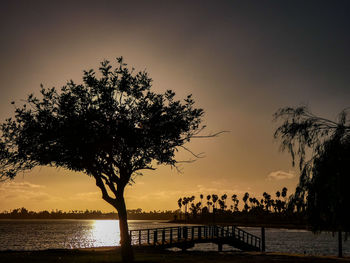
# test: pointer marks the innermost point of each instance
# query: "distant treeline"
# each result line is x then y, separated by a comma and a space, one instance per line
281, 210
134, 214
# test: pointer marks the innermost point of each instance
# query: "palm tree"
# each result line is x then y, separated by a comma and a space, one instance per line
201, 197
192, 198
214, 197
235, 202
185, 201
245, 199
223, 198
267, 201
208, 202
284, 196
195, 208
232, 208
179, 203
278, 194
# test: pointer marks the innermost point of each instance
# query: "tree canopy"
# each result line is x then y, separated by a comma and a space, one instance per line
100, 126
110, 127
322, 148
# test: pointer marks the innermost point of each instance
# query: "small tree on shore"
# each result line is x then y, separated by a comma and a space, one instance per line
109, 127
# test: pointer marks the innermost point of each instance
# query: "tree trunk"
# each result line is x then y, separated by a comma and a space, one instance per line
125, 240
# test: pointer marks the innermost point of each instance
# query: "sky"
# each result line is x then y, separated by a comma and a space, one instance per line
241, 60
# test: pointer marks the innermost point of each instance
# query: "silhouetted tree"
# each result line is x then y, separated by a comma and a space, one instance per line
208, 202
110, 127
223, 198
215, 198
284, 196
245, 199
185, 202
235, 202
179, 203
267, 201
201, 197
195, 208
324, 179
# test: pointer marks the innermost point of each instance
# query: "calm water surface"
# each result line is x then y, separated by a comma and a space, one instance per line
44, 234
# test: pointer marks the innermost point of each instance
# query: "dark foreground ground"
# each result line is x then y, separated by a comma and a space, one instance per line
113, 255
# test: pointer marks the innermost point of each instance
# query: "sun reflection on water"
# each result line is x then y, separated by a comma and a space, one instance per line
105, 233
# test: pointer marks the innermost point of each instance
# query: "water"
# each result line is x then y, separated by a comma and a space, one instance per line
45, 234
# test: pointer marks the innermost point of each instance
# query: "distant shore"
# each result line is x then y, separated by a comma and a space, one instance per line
251, 222
111, 254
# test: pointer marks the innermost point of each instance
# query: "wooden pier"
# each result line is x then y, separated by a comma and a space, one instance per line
185, 237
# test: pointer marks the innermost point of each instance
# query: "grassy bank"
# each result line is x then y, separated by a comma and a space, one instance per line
113, 255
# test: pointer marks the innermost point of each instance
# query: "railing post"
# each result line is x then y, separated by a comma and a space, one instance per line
139, 237
147, 236
185, 232
192, 233
155, 237
130, 235
171, 235
340, 245
220, 247
199, 232
178, 233
263, 239
163, 236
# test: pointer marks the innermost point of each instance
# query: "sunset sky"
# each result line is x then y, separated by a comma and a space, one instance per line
241, 60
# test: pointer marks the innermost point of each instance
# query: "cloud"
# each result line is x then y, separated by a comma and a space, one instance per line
87, 196
23, 191
280, 175
21, 186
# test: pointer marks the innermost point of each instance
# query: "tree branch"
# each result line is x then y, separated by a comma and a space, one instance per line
200, 155
105, 194
209, 135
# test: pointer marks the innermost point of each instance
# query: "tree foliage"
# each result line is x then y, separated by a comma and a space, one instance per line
102, 126
110, 127
322, 148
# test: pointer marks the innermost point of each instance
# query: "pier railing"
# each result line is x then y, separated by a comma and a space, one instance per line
197, 234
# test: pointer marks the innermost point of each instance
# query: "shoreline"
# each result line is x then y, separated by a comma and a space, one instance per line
112, 254
246, 224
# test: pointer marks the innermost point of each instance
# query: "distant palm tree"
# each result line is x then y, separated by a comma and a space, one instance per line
267, 201
221, 204
179, 203
215, 198
232, 208
201, 197
185, 202
245, 199
278, 194
195, 208
208, 202
235, 202
223, 198
192, 198
284, 192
